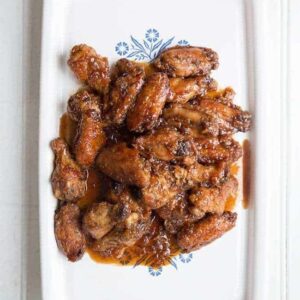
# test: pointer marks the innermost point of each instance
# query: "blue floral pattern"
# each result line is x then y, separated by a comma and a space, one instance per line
148, 48
155, 272
186, 258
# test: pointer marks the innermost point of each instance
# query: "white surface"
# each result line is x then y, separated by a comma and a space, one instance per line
19, 260
240, 263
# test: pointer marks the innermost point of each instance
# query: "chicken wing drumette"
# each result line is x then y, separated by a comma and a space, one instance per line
68, 178
68, 234
90, 67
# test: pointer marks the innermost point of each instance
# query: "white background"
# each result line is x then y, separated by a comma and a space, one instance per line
20, 29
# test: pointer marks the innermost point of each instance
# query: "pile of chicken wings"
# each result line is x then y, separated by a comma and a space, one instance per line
162, 135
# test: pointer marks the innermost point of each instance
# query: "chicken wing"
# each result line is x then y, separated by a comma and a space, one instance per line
69, 238
123, 235
213, 199
184, 89
196, 235
69, 180
82, 102
90, 138
184, 61
100, 218
166, 144
149, 104
124, 164
129, 80
176, 213
90, 67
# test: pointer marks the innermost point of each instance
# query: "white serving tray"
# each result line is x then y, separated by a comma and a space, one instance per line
246, 35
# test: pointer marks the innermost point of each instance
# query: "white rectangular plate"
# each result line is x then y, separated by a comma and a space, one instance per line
222, 270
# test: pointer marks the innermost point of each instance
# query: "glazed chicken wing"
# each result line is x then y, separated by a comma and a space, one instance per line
211, 116
69, 237
185, 61
82, 102
100, 218
126, 86
90, 138
149, 104
196, 235
90, 67
69, 180
176, 213
124, 164
124, 234
213, 199
184, 89
165, 144
240, 120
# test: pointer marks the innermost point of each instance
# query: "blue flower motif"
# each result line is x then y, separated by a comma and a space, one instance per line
152, 35
122, 48
145, 49
183, 43
155, 272
186, 258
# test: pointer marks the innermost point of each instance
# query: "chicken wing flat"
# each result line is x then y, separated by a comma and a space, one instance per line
185, 61
196, 235
149, 104
213, 199
240, 120
184, 89
166, 144
82, 102
100, 218
90, 67
129, 80
69, 237
124, 164
212, 117
90, 138
69, 180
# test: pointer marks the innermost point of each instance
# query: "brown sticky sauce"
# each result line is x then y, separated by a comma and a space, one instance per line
246, 172
67, 128
93, 189
148, 68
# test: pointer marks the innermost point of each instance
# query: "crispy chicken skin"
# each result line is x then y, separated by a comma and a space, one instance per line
184, 89
82, 102
196, 235
100, 218
68, 178
213, 199
90, 138
124, 164
149, 104
185, 61
90, 67
67, 228
127, 84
